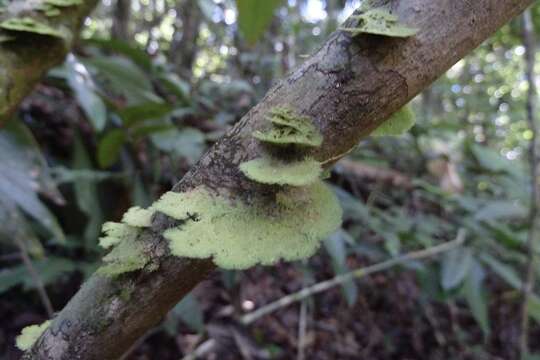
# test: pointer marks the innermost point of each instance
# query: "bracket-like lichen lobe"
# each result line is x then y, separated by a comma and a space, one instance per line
379, 21
30, 334
289, 128
237, 235
30, 25
399, 123
63, 3
266, 170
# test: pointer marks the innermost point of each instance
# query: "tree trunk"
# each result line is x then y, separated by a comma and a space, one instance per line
184, 45
534, 158
25, 59
349, 87
121, 15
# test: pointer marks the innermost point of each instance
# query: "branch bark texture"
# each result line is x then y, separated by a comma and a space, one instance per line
27, 56
349, 87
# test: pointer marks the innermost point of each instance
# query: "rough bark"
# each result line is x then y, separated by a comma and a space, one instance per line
25, 59
349, 87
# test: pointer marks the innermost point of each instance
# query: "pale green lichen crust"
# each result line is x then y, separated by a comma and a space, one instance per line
29, 25
268, 170
127, 255
30, 334
138, 217
115, 233
399, 123
289, 128
379, 21
238, 236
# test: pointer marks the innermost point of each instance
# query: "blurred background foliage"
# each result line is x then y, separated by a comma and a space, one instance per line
153, 83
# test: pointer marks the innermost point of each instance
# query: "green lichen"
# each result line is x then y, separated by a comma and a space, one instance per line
115, 233
379, 21
63, 3
6, 38
127, 255
30, 334
51, 12
289, 128
399, 123
238, 236
29, 25
138, 217
268, 170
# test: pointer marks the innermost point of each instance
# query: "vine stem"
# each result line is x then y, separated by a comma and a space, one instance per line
355, 274
306, 292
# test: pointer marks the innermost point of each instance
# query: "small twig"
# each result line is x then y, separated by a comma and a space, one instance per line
302, 324
35, 277
335, 281
201, 350
361, 272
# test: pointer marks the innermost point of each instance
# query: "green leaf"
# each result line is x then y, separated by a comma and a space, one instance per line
138, 56
188, 143
80, 81
254, 17
190, 312
335, 246
506, 272
455, 266
147, 111
126, 78
109, 147
475, 295
399, 123
24, 173
501, 210
86, 195
49, 269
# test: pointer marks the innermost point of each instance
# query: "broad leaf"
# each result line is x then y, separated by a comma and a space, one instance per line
109, 147
80, 81
254, 17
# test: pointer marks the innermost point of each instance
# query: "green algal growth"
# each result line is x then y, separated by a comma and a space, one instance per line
268, 170
127, 255
116, 233
289, 128
30, 334
379, 21
29, 25
138, 217
237, 235
399, 123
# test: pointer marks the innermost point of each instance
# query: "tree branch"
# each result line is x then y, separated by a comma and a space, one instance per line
349, 87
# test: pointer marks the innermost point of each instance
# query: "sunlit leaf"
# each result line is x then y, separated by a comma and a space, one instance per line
82, 84
455, 266
475, 295
254, 17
